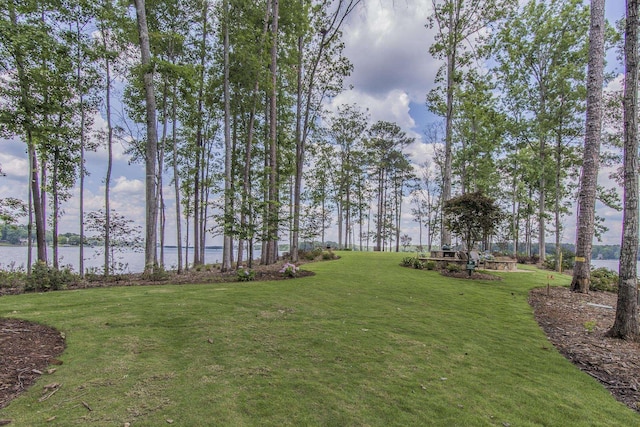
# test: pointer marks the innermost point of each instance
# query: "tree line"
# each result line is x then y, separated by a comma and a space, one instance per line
232, 94
231, 97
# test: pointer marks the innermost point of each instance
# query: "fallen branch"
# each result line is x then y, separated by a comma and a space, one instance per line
45, 397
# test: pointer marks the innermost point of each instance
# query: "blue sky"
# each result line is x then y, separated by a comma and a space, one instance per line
388, 44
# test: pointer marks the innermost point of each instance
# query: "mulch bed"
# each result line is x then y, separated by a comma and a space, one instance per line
28, 349
576, 324
475, 275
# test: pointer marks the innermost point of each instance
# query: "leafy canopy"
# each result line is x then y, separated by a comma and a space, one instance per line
472, 216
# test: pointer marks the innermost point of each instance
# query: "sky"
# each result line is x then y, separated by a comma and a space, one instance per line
388, 44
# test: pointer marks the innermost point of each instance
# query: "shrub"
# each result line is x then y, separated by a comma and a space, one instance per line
93, 274
430, 265
453, 268
245, 274
418, 264
12, 276
312, 255
157, 275
289, 270
45, 278
524, 259
329, 255
603, 279
407, 261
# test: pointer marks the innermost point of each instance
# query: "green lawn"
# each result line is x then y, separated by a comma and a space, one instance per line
363, 342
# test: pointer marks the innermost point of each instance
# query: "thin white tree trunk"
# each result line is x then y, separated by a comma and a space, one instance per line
151, 148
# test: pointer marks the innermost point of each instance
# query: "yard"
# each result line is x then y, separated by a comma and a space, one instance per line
363, 342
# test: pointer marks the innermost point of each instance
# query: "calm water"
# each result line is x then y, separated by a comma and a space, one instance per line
69, 255
611, 264
17, 256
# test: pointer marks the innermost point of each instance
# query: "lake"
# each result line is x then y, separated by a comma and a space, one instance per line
611, 264
16, 256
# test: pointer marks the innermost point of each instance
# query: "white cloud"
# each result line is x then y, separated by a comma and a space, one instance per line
392, 106
126, 186
14, 167
388, 45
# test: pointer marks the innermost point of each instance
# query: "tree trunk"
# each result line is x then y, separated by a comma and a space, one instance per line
197, 190
228, 214
176, 179
107, 180
445, 234
55, 202
83, 141
541, 205
245, 210
272, 219
38, 208
151, 148
591, 157
161, 152
34, 188
558, 190
379, 228
514, 217
295, 230
625, 325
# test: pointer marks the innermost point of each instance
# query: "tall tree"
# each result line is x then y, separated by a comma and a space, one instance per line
227, 253
458, 39
271, 221
87, 81
151, 145
626, 325
320, 71
545, 92
385, 143
478, 131
591, 156
347, 129
107, 53
27, 44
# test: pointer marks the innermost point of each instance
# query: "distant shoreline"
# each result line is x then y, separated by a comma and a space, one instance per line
213, 247
11, 245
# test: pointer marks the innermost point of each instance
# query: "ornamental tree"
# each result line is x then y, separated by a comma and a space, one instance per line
472, 216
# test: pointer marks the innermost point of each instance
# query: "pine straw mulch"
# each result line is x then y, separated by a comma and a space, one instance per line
28, 350
574, 323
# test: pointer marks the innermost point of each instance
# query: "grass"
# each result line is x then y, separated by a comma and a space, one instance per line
364, 342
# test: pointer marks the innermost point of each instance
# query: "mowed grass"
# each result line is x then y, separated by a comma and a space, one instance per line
363, 342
